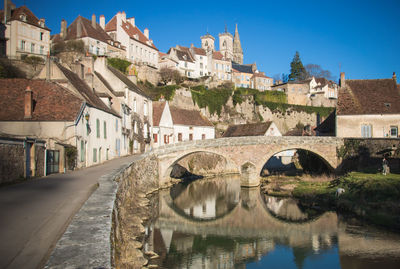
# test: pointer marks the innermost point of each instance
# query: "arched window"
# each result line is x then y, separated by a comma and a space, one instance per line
224, 44
206, 44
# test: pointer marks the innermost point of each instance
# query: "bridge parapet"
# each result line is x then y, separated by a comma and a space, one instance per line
246, 151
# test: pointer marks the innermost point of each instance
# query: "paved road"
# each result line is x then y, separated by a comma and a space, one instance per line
35, 214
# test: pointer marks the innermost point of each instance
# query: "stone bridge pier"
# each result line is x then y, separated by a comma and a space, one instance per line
246, 155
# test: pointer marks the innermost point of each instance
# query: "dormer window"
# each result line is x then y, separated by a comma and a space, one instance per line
23, 17
387, 105
136, 36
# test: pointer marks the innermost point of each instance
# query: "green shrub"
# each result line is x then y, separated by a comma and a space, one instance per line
120, 64
213, 99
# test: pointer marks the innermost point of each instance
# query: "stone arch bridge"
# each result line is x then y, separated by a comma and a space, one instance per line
247, 155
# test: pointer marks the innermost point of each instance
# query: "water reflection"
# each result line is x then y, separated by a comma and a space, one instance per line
244, 229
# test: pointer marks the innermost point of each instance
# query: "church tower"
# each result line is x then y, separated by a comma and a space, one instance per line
207, 42
226, 44
237, 48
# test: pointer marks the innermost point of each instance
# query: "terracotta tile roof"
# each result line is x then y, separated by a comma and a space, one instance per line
188, 117
52, 102
84, 90
132, 86
260, 75
131, 30
198, 51
373, 96
218, 56
87, 30
158, 108
251, 129
30, 17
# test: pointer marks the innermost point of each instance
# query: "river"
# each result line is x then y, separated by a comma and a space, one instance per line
214, 223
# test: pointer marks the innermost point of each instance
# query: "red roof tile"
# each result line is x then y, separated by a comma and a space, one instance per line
188, 117
373, 96
251, 129
217, 55
52, 102
158, 108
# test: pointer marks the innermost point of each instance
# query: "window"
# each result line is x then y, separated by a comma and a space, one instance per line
166, 139
135, 128
185, 64
116, 125
155, 138
134, 105
201, 65
41, 50
203, 136
98, 128
95, 155
179, 136
41, 35
145, 109
135, 144
145, 133
366, 130
82, 151
32, 48
105, 130
394, 131
22, 44
190, 137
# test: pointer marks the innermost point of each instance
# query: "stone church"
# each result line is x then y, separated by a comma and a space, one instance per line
229, 45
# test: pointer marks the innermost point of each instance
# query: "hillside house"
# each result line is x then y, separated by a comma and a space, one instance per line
173, 125
25, 34
368, 108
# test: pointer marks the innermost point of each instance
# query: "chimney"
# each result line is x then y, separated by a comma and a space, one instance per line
48, 67
123, 16
102, 22
146, 33
394, 77
63, 32
342, 80
79, 28
94, 21
28, 103
132, 21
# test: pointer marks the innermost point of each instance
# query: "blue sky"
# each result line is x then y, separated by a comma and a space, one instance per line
361, 38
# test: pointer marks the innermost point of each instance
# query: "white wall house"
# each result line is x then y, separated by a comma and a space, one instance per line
174, 125
200, 59
25, 33
136, 106
140, 49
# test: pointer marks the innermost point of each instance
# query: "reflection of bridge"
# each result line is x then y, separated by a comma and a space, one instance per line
250, 218
247, 155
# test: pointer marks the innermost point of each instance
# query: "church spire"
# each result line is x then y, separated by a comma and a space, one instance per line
237, 48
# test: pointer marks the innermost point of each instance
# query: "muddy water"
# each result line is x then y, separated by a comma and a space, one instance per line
214, 223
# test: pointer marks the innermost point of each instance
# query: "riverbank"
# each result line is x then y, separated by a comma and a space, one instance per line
371, 197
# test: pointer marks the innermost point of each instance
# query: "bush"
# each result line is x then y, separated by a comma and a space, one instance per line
33, 60
213, 99
120, 64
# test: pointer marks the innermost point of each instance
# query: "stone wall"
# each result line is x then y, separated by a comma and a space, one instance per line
11, 162
148, 73
131, 211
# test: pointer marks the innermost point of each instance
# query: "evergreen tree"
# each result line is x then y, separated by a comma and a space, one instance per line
297, 70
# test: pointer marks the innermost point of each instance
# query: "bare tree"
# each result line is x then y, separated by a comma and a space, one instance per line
315, 70
166, 75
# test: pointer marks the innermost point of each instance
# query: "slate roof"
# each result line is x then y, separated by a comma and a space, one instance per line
373, 96
105, 82
30, 17
132, 86
52, 102
158, 108
184, 56
130, 30
188, 117
243, 68
87, 30
250, 129
84, 90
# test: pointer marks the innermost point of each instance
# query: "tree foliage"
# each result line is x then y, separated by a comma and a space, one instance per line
168, 74
33, 60
315, 70
297, 70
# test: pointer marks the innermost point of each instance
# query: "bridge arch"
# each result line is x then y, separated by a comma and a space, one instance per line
230, 164
331, 163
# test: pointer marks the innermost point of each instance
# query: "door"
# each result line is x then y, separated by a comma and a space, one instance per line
53, 161
28, 160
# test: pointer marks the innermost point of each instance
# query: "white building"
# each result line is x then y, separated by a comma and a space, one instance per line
201, 63
140, 49
173, 125
186, 63
25, 34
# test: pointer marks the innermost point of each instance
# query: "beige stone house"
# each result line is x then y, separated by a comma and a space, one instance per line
93, 35
262, 82
368, 108
25, 34
297, 91
242, 75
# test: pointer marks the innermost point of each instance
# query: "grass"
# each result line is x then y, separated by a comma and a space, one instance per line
374, 197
